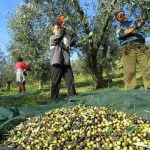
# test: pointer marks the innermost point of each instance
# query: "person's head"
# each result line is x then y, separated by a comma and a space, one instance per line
59, 24
19, 59
120, 16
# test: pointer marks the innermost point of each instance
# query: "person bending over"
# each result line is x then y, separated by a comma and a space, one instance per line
21, 74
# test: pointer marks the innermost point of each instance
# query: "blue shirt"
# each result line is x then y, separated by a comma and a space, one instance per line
135, 36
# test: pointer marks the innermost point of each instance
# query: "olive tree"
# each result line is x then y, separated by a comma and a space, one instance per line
89, 22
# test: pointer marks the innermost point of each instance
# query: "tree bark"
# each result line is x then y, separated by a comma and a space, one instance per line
8, 85
40, 84
95, 70
98, 78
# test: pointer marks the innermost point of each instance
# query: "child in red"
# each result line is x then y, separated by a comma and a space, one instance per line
21, 67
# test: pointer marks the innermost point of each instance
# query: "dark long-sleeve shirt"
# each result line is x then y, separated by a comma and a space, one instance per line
59, 54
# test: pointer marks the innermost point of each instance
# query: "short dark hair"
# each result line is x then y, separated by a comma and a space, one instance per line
19, 59
116, 13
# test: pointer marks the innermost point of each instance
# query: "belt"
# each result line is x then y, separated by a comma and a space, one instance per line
136, 45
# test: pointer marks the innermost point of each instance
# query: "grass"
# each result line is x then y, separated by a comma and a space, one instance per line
83, 83
34, 96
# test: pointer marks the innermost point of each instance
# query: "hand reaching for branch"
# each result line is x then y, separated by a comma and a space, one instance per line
140, 22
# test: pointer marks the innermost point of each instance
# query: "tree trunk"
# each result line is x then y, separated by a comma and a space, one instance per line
8, 82
91, 53
98, 75
8, 85
96, 71
40, 84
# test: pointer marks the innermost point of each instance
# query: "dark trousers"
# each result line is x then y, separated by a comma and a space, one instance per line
57, 72
21, 87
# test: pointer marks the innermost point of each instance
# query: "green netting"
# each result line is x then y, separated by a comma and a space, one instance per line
134, 102
5, 148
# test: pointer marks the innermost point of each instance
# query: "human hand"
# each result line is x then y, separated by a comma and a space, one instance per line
140, 23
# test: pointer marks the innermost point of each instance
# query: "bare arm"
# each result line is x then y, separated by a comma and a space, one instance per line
25, 66
124, 32
120, 32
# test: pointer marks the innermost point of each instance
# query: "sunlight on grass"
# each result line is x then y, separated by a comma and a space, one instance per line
34, 96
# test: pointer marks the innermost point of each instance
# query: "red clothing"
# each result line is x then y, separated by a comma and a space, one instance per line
22, 65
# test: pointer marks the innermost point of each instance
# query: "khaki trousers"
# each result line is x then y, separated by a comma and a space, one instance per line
136, 54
